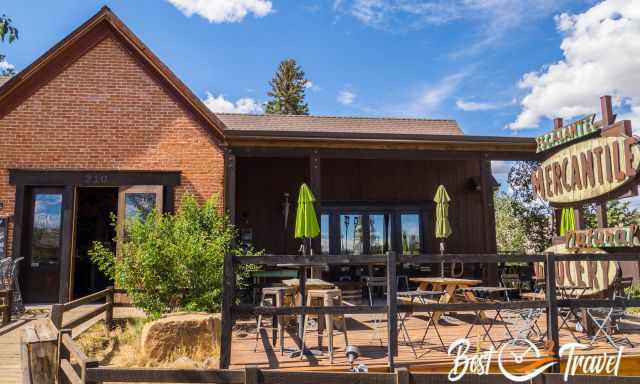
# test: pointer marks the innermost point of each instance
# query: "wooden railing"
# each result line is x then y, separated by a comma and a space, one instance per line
230, 309
6, 297
58, 310
72, 361
253, 375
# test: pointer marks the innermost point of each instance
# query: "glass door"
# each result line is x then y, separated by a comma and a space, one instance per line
44, 246
138, 201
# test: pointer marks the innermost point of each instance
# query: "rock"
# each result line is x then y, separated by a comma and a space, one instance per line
192, 335
183, 362
211, 363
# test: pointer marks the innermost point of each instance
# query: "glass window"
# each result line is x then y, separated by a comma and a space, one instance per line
47, 226
379, 234
351, 234
410, 231
139, 204
324, 234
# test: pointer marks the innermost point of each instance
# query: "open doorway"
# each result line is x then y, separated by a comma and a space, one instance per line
93, 223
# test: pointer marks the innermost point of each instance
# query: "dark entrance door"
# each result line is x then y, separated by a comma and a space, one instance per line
43, 246
94, 208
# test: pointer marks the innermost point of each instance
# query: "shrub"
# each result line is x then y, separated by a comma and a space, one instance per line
168, 262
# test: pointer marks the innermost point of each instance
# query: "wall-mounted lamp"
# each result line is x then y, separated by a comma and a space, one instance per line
474, 185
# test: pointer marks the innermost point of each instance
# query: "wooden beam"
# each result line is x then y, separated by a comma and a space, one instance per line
601, 214
230, 166
66, 249
392, 308
552, 310
315, 178
489, 219
228, 300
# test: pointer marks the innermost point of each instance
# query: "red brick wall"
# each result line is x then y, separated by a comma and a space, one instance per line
106, 112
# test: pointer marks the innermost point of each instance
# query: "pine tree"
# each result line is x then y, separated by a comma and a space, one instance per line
287, 90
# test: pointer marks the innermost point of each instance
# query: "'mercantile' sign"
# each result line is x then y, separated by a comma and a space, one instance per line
587, 170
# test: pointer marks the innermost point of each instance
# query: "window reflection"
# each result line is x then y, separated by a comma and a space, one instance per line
351, 234
139, 204
324, 234
410, 230
379, 233
47, 223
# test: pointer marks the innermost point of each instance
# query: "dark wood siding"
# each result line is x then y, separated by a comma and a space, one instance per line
261, 185
263, 181
414, 182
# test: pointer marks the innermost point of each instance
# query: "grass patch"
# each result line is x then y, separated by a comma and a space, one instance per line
125, 341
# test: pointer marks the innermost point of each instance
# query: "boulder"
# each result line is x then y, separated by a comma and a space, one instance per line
192, 335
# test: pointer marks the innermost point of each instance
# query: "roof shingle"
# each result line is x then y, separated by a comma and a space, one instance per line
335, 124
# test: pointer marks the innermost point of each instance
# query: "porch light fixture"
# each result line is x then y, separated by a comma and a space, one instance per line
473, 184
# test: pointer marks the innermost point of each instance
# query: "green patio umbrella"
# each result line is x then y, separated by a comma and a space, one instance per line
306, 229
443, 227
567, 221
307, 226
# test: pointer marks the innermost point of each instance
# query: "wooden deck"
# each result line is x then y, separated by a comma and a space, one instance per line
10, 363
431, 355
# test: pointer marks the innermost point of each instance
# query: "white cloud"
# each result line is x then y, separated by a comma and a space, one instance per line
493, 17
5, 65
347, 97
242, 105
223, 11
472, 106
431, 97
601, 55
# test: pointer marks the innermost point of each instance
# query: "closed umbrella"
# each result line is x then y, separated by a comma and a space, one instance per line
306, 228
567, 221
443, 227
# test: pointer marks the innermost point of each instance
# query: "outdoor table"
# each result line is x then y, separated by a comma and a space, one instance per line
310, 284
449, 285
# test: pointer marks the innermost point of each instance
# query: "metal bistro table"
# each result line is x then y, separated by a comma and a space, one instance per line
301, 283
449, 286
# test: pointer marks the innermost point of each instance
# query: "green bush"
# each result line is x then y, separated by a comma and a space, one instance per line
634, 293
168, 262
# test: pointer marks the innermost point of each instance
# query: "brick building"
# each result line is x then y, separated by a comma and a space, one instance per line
98, 124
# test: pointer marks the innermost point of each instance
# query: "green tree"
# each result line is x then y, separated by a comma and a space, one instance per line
170, 262
619, 213
9, 33
287, 90
510, 233
534, 214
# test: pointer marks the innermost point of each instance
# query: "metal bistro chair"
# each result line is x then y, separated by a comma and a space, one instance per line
9, 273
607, 320
422, 297
371, 284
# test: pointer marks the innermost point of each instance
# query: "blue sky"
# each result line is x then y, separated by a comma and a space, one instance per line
499, 67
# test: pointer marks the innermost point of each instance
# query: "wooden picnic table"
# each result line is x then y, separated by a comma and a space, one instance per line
449, 286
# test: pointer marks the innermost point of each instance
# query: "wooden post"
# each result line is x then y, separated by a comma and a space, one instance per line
488, 218
91, 363
57, 311
108, 317
228, 301
63, 353
230, 186
552, 309
601, 214
402, 375
315, 178
392, 308
580, 223
251, 374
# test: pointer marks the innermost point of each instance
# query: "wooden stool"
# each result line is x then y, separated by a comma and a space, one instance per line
326, 298
278, 297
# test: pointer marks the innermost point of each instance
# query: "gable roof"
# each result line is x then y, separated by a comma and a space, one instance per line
337, 125
103, 24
